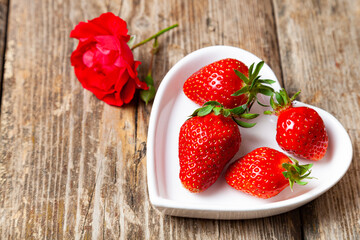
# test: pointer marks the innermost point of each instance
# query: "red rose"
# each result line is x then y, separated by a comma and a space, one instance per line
103, 62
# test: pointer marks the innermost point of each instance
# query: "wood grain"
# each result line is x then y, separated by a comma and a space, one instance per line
3, 25
319, 48
73, 167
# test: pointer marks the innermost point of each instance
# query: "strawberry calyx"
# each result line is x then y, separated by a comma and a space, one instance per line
254, 85
296, 173
235, 113
283, 103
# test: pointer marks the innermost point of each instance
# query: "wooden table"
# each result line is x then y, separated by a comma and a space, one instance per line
74, 167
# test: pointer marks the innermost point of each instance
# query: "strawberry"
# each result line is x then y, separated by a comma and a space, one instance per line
299, 130
265, 172
207, 142
228, 81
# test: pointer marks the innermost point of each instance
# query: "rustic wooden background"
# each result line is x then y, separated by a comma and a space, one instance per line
73, 167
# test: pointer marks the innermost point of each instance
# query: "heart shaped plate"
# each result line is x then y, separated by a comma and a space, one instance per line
171, 108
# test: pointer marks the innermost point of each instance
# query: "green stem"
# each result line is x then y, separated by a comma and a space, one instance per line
154, 36
153, 52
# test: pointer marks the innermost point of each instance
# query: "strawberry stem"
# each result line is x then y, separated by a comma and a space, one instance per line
217, 108
296, 173
254, 85
283, 101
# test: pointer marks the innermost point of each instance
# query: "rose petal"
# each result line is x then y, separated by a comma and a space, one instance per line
123, 78
126, 53
95, 82
88, 58
83, 31
113, 24
110, 99
105, 62
127, 93
141, 84
108, 42
133, 69
77, 55
105, 24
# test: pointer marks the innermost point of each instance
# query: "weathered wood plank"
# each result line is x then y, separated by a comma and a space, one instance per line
319, 48
3, 27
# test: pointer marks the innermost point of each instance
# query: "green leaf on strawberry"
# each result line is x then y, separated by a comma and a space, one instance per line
296, 173
254, 85
218, 109
205, 110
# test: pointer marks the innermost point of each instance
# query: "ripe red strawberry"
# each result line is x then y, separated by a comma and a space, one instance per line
219, 81
265, 172
300, 130
207, 142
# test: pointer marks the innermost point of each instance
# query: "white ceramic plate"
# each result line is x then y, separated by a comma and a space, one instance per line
171, 108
